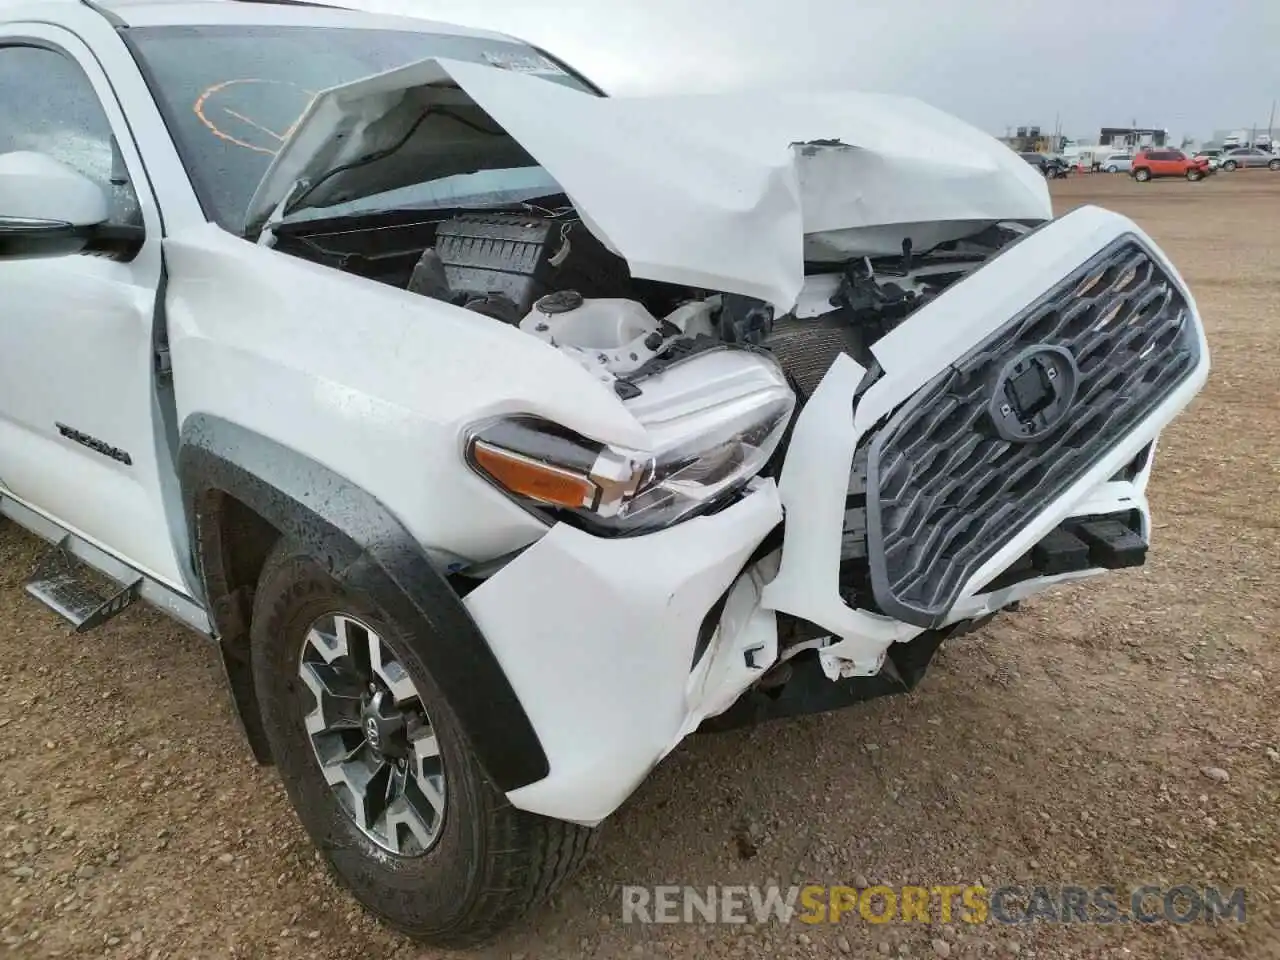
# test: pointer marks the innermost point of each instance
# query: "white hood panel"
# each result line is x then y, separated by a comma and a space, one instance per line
727, 192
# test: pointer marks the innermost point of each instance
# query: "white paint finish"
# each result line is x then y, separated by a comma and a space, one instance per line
35, 186
745, 625
362, 118
980, 605
163, 168
711, 191
139, 117
815, 295
814, 482
81, 326
377, 383
597, 637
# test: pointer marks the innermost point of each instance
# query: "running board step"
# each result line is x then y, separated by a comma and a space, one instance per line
61, 584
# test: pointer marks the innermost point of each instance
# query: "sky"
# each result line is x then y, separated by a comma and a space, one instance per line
1188, 66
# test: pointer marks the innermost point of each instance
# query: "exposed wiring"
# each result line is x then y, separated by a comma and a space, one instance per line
549, 214
446, 112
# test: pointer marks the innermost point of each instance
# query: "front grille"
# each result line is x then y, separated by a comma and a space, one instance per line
952, 476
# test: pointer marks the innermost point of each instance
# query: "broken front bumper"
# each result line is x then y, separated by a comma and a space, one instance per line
620, 648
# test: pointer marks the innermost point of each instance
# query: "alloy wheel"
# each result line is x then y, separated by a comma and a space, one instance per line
371, 735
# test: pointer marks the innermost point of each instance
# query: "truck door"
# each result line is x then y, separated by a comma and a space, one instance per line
81, 439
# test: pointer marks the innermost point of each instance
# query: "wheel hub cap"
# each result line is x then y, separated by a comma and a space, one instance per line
385, 728
371, 735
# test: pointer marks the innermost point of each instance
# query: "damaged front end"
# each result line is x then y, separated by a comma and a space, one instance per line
884, 394
959, 476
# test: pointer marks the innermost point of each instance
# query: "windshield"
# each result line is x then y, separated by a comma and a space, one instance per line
231, 95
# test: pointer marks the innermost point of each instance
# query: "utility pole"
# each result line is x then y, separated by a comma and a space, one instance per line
1271, 120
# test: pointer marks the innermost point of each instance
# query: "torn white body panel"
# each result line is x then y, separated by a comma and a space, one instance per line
816, 474
626, 628
616, 622
657, 633
814, 483
725, 192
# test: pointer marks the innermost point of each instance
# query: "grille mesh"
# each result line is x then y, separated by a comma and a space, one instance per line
945, 492
807, 348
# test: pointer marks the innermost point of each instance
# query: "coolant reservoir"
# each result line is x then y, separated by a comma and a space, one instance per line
566, 318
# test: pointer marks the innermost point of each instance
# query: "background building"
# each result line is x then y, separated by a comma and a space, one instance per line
1033, 140
1131, 137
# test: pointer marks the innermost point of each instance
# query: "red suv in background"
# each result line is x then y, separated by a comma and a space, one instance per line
1160, 162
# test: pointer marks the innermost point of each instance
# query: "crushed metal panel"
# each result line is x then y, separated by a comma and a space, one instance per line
713, 191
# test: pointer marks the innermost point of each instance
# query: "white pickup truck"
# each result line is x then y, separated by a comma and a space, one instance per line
501, 433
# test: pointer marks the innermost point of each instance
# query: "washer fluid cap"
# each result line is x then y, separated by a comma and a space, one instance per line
562, 301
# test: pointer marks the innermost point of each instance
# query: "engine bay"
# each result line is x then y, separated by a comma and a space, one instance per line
542, 270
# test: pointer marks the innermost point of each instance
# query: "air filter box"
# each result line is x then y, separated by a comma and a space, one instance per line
508, 254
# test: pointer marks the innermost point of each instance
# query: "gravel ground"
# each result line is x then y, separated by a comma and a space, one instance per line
1067, 744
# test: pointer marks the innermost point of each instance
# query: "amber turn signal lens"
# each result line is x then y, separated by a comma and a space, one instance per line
533, 479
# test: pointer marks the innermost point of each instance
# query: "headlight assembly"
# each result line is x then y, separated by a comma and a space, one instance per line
713, 425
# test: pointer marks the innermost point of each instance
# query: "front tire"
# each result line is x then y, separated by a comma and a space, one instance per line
1142, 174
1113, 169
1273, 165
1229, 166
353, 717
1194, 174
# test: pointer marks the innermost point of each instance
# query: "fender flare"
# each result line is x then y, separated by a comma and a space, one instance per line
362, 545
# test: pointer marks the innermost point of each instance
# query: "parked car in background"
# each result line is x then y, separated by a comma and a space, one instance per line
1249, 157
1051, 167
1213, 155
1116, 163
1149, 164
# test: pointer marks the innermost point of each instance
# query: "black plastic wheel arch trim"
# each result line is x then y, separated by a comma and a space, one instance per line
362, 545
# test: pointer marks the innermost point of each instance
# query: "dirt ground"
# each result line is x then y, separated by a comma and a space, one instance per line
1065, 744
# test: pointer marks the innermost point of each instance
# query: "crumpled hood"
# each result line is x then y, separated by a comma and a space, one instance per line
727, 192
